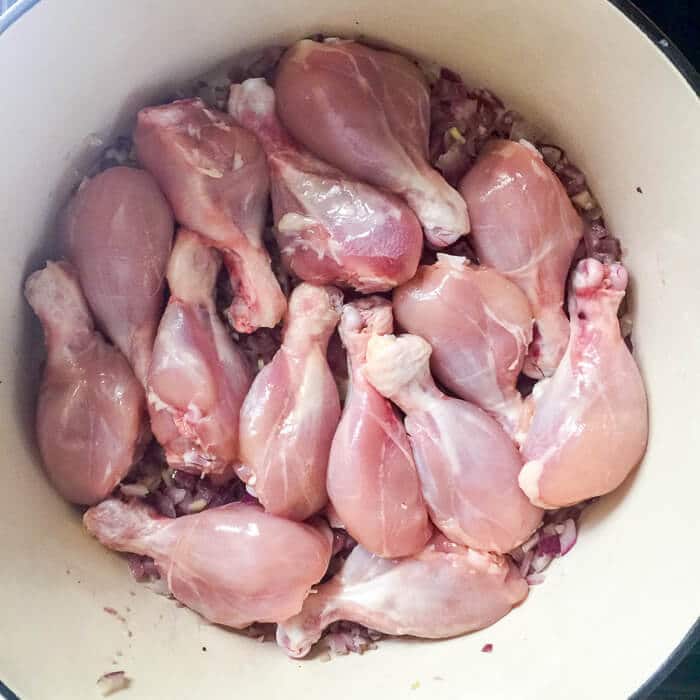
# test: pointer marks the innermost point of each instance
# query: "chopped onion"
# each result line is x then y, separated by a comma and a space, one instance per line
548, 546
527, 546
527, 562
138, 490
112, 682
167, 475
159, 586
185, 480
151, 477
584, 200
540, 562
175, 494
165, 505
197, 505
348, 637
568, 537
142, 568
517, 555
551, 154
455, 133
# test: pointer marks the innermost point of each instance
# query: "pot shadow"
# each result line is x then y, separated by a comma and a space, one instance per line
596, 513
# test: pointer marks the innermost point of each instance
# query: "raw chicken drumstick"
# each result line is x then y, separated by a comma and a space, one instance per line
479, 325
331, 229
367, 112
234, 565
524, 225
198, 377
291, 412
590, 422
443, 591
118, 229
214, 174
468, 466
372, 479
91, 407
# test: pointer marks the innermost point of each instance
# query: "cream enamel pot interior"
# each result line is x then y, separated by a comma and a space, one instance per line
610, 612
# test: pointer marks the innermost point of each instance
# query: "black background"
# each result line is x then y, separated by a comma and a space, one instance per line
680, 20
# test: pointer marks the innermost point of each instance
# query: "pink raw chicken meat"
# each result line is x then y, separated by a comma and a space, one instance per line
443, 591
234, 565
590, 420
215, 176
524, 225
330, 228
467, 465
119, 229
291, 412
372, 479
367, 112
91, 407
198, 377
479, 325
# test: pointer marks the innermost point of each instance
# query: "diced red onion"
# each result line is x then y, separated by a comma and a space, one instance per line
534, 579
600, 244
527, 562
260, 345
184, 479
142, 568
487, 648
340, 541
167, 475
165, 505
136, 567
551, 154
175, 494
572, 178
548, 546
197, 506
133, 490
463, 120
346, 637
112, 682
150, 568
584, 200
527, 546
540, 562
205, 491
568, 537
517, 555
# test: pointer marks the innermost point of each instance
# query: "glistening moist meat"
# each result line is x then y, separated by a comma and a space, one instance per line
463, 119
